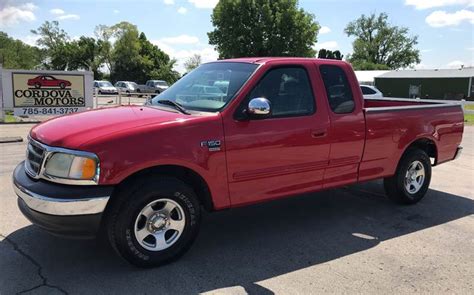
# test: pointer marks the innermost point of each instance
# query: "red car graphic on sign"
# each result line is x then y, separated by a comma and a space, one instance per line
48, 81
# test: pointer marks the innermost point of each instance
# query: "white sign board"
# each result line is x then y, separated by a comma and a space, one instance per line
46, 93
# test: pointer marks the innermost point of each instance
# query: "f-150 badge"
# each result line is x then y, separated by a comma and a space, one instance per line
212, 145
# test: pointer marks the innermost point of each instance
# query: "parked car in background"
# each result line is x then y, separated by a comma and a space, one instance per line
104, 87
48, 81
370, 91
126, 86
153, 86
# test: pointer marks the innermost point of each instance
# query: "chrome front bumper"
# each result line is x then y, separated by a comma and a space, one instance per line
62, 207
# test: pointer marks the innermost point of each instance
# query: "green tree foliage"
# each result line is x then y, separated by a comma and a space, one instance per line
131, 57
262, 28
85, 55
55, 41
192, 62
14, 54
328, 54
378, 44
156, 64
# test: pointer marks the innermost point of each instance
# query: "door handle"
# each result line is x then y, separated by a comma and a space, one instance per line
319, 133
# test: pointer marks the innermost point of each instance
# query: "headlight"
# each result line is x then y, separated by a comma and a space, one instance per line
69, 166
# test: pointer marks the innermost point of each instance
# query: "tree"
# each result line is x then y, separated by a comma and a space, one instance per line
132, 57
379, 44
192, 62
86, 55
156, 63
328, 54
14, 54
262, 28
55, 41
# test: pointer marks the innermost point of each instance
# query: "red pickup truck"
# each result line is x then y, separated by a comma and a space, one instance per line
270, 128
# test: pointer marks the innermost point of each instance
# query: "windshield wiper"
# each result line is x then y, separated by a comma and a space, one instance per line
175, 105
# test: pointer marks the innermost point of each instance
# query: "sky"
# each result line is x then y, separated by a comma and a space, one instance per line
445, 28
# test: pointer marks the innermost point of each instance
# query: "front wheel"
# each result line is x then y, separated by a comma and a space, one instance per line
412, 178
153, 222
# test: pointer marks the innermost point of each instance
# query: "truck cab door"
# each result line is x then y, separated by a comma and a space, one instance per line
347, 130
285, 153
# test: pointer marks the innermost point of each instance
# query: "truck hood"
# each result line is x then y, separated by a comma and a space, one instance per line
74, 130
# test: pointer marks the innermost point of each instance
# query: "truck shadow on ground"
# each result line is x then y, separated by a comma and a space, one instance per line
238, 247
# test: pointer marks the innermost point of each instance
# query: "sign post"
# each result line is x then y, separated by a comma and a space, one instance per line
2, 109
47, 93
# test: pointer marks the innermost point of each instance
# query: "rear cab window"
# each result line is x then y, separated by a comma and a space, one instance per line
338, 89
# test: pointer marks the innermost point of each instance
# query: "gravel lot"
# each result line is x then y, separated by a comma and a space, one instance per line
348, 240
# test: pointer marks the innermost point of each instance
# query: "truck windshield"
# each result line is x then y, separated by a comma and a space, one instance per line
209, 87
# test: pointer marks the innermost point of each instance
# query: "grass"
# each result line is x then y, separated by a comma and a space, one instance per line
469, 107
9, 118
469, 119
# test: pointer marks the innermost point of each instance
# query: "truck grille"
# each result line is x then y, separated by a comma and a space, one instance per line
34, 158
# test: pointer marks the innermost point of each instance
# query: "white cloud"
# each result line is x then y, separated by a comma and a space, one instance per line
30, 39
69, 17
116, 11
204, 3
442, 18
12, 15
324, 30
57, 11
421, 66
425, 4
456, 64
330, 45
168, 2
182, 10
181, 39
206, 52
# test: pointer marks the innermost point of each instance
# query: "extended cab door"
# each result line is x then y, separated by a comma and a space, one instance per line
283, 154
347, 131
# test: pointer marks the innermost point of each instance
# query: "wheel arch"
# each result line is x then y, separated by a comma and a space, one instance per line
187, 175
425, 144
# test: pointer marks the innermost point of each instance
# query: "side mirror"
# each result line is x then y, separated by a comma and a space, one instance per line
259, 108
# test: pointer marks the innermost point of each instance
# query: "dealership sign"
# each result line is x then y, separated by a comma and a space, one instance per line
46, 93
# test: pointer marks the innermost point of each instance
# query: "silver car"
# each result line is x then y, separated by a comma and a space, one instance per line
104, 87
126, 86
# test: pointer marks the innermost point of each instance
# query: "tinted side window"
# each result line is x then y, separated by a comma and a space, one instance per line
288, 90
338, 89
367, 90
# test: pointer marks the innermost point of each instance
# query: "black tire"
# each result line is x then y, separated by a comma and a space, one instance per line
37, 85
62, 85
126, 207
395, 186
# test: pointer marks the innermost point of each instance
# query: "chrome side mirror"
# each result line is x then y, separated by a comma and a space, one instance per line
259, 107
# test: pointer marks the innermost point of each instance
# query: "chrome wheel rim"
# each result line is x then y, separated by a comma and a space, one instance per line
159, 224
414, 177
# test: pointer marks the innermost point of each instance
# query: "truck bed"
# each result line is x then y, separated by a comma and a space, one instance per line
381, 104
392, 123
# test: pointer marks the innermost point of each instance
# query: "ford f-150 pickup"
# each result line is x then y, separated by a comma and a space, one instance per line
280, 127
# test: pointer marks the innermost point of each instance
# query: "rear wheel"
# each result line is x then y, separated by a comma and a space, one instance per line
412, 178
153, 222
